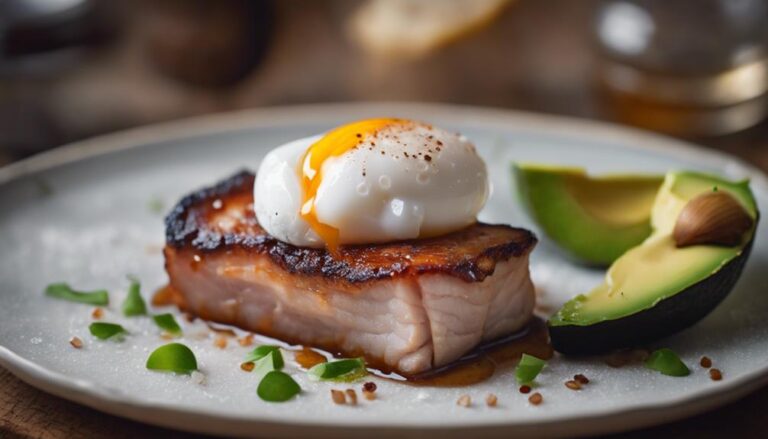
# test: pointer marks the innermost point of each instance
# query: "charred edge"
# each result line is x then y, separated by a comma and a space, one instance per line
185, 228
181, 224
307, 261
477, 269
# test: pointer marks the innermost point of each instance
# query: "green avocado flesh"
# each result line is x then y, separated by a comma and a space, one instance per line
654, 272
593, 219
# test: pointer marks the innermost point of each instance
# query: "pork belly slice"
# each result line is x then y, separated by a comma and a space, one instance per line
407, 307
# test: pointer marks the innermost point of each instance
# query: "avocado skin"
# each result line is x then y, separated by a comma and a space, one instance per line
667, 317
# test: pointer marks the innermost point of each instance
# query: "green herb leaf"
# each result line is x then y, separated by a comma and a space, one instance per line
277, 386
173, 357
528, 368
134, 304
345, 370
105, 331
262, 351
167, 323
271, 361
668, 363
64, 291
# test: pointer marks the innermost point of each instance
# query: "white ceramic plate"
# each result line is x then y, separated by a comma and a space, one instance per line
94, 226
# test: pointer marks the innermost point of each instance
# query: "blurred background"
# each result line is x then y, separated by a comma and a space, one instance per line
71, 69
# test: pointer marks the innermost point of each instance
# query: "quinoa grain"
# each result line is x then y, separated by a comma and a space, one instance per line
246, 341
369, 390
338, 397
220, 342
573, 385
536, 398
581, 379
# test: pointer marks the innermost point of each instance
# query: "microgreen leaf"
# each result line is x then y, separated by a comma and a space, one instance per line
134, 305
173, 357
167, 323
261, 352
64, 291
277, 386
346, 370
268, 363
528, 368
668, 363
105, 331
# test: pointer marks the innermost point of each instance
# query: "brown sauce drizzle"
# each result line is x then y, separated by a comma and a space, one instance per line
480, 364
164, 296
227, 332
474, 367
307, 358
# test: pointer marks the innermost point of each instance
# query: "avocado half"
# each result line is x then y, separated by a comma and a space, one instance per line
594, 220
657, 289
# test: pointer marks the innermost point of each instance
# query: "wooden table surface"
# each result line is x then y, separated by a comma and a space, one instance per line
535, 58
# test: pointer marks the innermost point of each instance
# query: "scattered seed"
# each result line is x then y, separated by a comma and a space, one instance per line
220, 342
370, 386
715, 374
705, 362
464, 401
352, 396
525, 389
573, 385
165, 335
248, 366
97, 313
338, 397
76, 342
536, 398
246, 341
491, 400
581, 379
369, 390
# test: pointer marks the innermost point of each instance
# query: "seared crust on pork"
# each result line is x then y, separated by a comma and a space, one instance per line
221, 219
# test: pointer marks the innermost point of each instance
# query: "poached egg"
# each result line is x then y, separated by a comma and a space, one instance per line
371, 181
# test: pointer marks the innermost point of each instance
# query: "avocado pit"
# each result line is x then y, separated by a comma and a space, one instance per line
714, 218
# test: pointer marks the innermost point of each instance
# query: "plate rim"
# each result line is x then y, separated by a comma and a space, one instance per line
643, 414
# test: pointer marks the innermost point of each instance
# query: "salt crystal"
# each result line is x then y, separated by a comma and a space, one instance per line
198, 378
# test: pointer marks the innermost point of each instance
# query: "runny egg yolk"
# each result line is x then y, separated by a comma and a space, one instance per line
333, 144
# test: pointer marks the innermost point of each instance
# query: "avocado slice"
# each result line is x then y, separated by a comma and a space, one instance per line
657, 288
593, 219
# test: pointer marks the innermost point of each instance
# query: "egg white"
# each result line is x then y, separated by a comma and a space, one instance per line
404, 182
